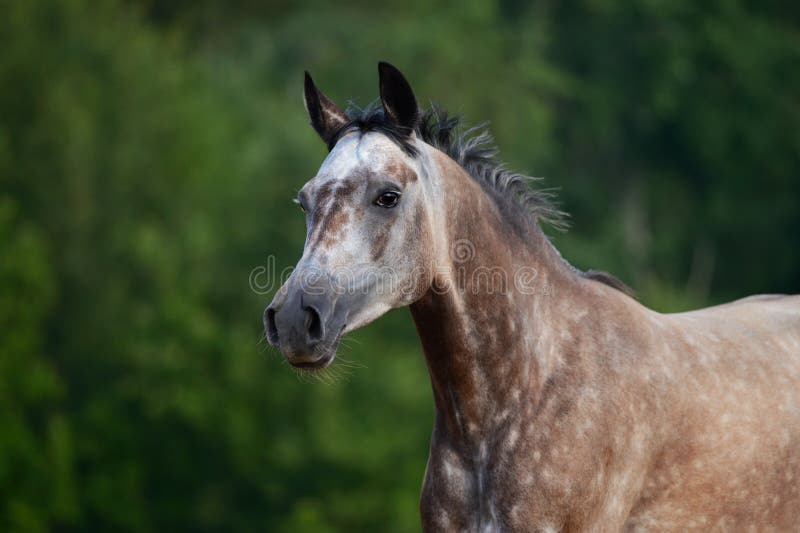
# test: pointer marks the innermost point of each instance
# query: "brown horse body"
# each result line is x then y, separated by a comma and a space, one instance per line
576, 408
561, 403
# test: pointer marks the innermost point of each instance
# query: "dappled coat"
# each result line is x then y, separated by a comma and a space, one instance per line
561, 402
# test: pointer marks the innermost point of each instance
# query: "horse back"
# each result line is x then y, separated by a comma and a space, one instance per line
730, 454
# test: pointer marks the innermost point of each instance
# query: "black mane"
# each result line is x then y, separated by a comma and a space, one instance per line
474, 150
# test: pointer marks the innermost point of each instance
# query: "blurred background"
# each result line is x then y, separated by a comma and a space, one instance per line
149, 152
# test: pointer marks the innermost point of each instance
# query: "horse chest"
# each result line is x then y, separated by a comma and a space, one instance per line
488, 489
523, 477
459, 493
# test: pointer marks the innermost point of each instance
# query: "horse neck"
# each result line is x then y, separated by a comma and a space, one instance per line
484, 322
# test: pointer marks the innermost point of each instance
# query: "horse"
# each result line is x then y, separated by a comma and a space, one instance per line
561, 402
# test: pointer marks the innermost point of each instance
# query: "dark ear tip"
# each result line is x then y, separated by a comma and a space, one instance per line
397, 96
387, 68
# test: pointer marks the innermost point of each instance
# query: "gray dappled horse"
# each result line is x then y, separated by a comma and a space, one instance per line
561, 402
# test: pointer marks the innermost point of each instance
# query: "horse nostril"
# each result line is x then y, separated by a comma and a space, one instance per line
313, 324
269, 323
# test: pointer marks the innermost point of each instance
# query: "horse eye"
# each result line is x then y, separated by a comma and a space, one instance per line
298, 202
388, 199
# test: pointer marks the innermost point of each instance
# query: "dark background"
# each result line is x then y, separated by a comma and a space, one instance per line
148, 155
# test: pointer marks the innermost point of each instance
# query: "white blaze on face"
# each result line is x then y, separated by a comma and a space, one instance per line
361, 246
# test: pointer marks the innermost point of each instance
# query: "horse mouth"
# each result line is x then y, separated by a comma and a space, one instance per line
318, 364
329, 354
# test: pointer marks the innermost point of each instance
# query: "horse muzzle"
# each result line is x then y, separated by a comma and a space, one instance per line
305, 326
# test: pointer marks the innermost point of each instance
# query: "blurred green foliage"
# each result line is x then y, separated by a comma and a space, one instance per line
148, 154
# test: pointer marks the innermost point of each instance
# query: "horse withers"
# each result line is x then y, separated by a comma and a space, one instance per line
561, 403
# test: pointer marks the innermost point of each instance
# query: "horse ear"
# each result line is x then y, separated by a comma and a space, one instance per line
326, 118
399, 103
